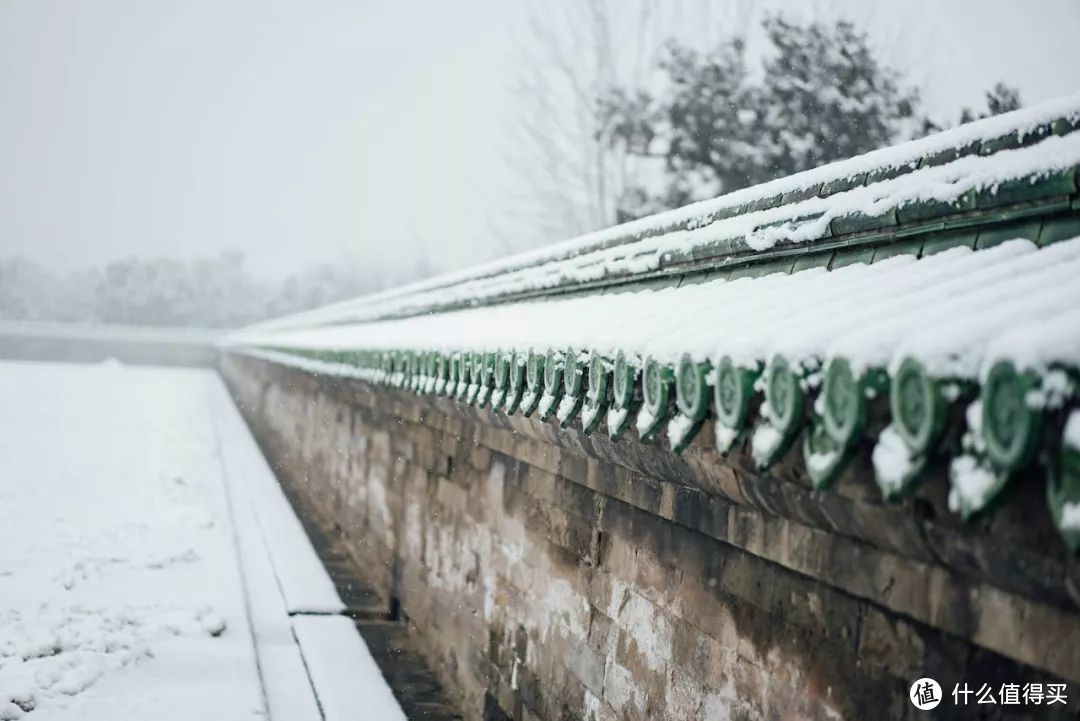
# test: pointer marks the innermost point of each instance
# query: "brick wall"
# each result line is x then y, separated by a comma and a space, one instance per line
552, 575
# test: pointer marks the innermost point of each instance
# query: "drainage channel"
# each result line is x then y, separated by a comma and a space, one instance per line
414, 685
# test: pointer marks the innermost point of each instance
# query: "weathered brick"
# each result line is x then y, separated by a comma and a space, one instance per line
626, 582
497, 439
537, 454
480, 458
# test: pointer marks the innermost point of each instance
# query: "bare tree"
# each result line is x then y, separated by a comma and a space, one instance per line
570, 53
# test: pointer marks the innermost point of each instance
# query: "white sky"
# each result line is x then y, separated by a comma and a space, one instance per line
301, 132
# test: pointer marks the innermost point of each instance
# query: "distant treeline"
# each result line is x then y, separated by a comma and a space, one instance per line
210, 293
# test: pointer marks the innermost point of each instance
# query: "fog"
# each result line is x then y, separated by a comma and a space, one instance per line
377, 132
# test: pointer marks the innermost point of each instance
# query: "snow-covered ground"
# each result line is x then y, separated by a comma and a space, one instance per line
124, 495
120, 596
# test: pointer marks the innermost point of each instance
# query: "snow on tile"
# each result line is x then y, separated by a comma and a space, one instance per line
1053, 338
1071, 435
893, 464
956, 311
118, 572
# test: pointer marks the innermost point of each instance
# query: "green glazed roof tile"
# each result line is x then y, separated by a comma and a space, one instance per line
721, 214
850, 256
945, 241
927, 209
797, 222
1015, 139
841, 184
858, 222
697, 278
715, 248
888, 173
739, 271
775, 224
650, 284
740, 209
772, 201
692, 400
1063, 490
673, 257
797, 196
909, 246
1021, 190
921, 230
1010, 425
759, 270
1064, 126
948, 155
1055, 229
823, 458
996, 145
1039, 209
785, 401
990, 237
812, 260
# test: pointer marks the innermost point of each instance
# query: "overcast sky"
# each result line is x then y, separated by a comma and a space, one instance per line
302, 132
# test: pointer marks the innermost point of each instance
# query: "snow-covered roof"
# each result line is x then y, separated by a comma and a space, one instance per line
857, 302
789, 215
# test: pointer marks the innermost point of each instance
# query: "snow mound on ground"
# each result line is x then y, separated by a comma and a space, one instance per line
63, 650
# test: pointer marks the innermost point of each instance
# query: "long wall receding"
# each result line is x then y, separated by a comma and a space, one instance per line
551, 575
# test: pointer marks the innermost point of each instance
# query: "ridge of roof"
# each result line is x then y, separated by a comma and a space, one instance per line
840, 199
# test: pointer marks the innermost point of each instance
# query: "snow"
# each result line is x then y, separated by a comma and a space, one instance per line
293, 586
1071, 435
1054, 390
548, 404
678, 428
954, 336
1037, 344
589, 413
342, 668
972, 439
616, 419
819, 462
971, 483
640, 245
299, 573
725, 437
645, 420
529, 398
149, 561
893, 464
568, 407
1070, 516
955, 310
120, 585
764, 442
288, 690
